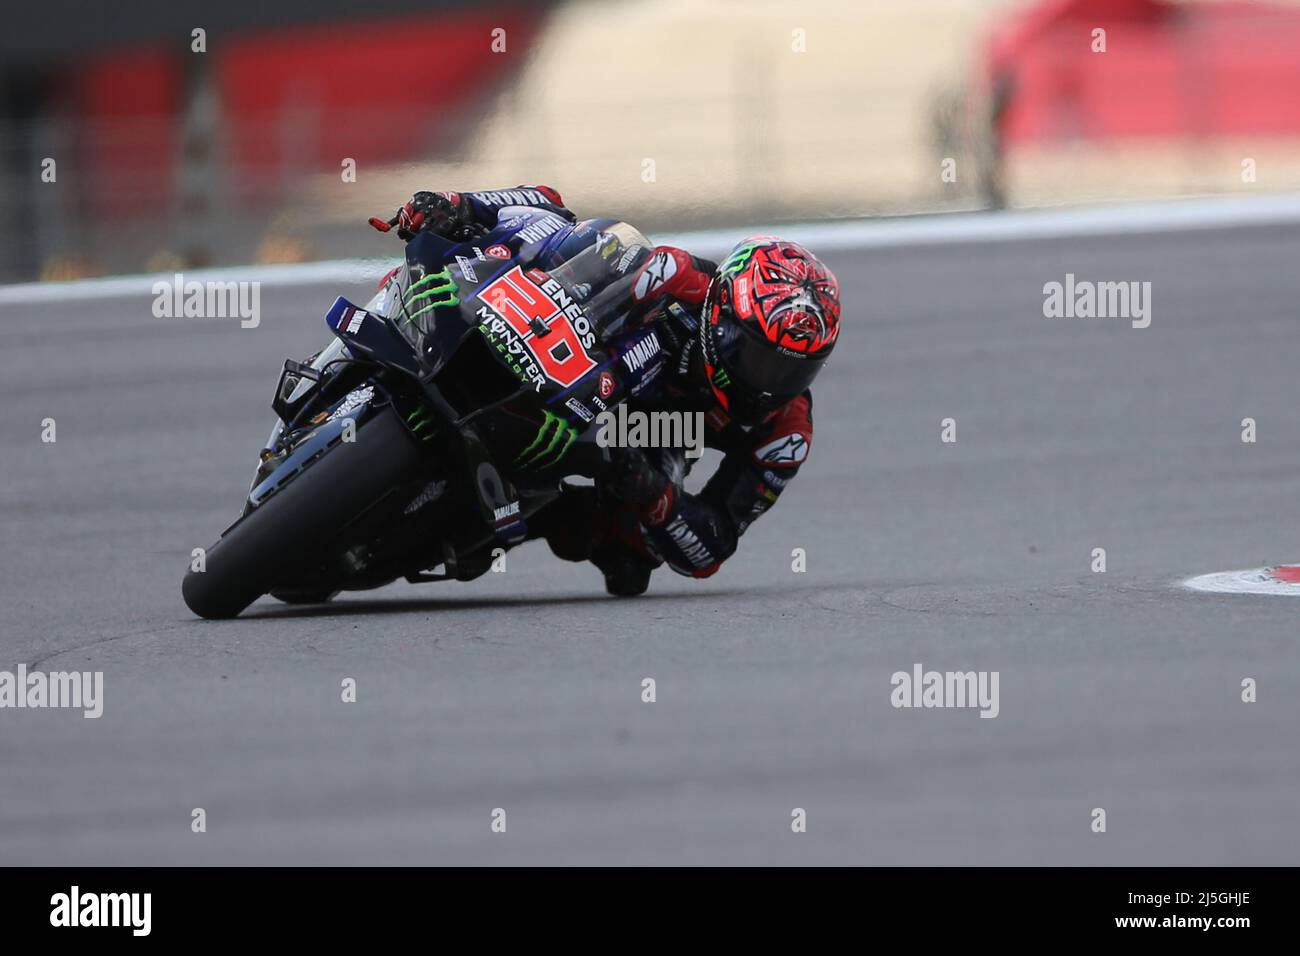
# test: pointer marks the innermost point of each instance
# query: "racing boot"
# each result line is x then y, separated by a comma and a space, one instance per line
626, 574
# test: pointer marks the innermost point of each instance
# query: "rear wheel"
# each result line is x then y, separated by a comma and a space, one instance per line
300, 519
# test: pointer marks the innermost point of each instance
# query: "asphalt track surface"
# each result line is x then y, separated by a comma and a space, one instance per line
522, 690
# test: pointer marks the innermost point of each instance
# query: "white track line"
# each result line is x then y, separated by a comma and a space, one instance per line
944, 229
1251, 581
924, 230
294, 274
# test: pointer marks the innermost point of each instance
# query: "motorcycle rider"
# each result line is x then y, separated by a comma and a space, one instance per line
750, 337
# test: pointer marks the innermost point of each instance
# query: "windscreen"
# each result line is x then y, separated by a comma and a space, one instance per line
414, 296
600, 276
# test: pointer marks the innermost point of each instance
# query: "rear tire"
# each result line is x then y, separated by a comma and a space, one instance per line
302, 517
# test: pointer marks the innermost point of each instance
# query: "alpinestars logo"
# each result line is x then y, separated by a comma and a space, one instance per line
786, 450
656, 272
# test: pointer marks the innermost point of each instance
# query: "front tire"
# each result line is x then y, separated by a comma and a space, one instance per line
302, 517
297, 598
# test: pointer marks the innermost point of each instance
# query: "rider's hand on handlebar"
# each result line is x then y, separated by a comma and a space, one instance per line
445, 214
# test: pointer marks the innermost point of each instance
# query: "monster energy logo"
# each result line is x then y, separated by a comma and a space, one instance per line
736, 261
721, 378
434, 290
552, 442
419, 420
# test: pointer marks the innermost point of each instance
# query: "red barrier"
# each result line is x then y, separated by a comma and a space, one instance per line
289, 101
375, 92
1169, 71
122, 114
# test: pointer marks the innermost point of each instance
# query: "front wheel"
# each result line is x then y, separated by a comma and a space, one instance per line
300, 519
319, 596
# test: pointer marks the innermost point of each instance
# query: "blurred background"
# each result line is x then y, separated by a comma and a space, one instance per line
173, 148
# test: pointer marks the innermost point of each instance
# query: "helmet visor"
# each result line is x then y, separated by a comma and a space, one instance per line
756, 367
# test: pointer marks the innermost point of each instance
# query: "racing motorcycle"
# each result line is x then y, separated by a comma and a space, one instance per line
442, 415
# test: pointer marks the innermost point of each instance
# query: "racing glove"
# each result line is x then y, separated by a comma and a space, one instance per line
649, 487
446, 214
686, 532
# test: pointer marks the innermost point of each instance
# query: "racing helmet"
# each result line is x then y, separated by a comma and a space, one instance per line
771, 317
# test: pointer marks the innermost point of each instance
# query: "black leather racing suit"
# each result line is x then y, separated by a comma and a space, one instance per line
692, 533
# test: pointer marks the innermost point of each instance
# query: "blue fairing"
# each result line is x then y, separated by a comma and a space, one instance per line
327, 434
435, 304
370, 336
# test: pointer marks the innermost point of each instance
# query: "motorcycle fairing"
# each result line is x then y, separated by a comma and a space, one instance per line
325, 435
370, 335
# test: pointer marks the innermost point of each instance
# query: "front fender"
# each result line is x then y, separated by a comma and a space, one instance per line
324, 437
